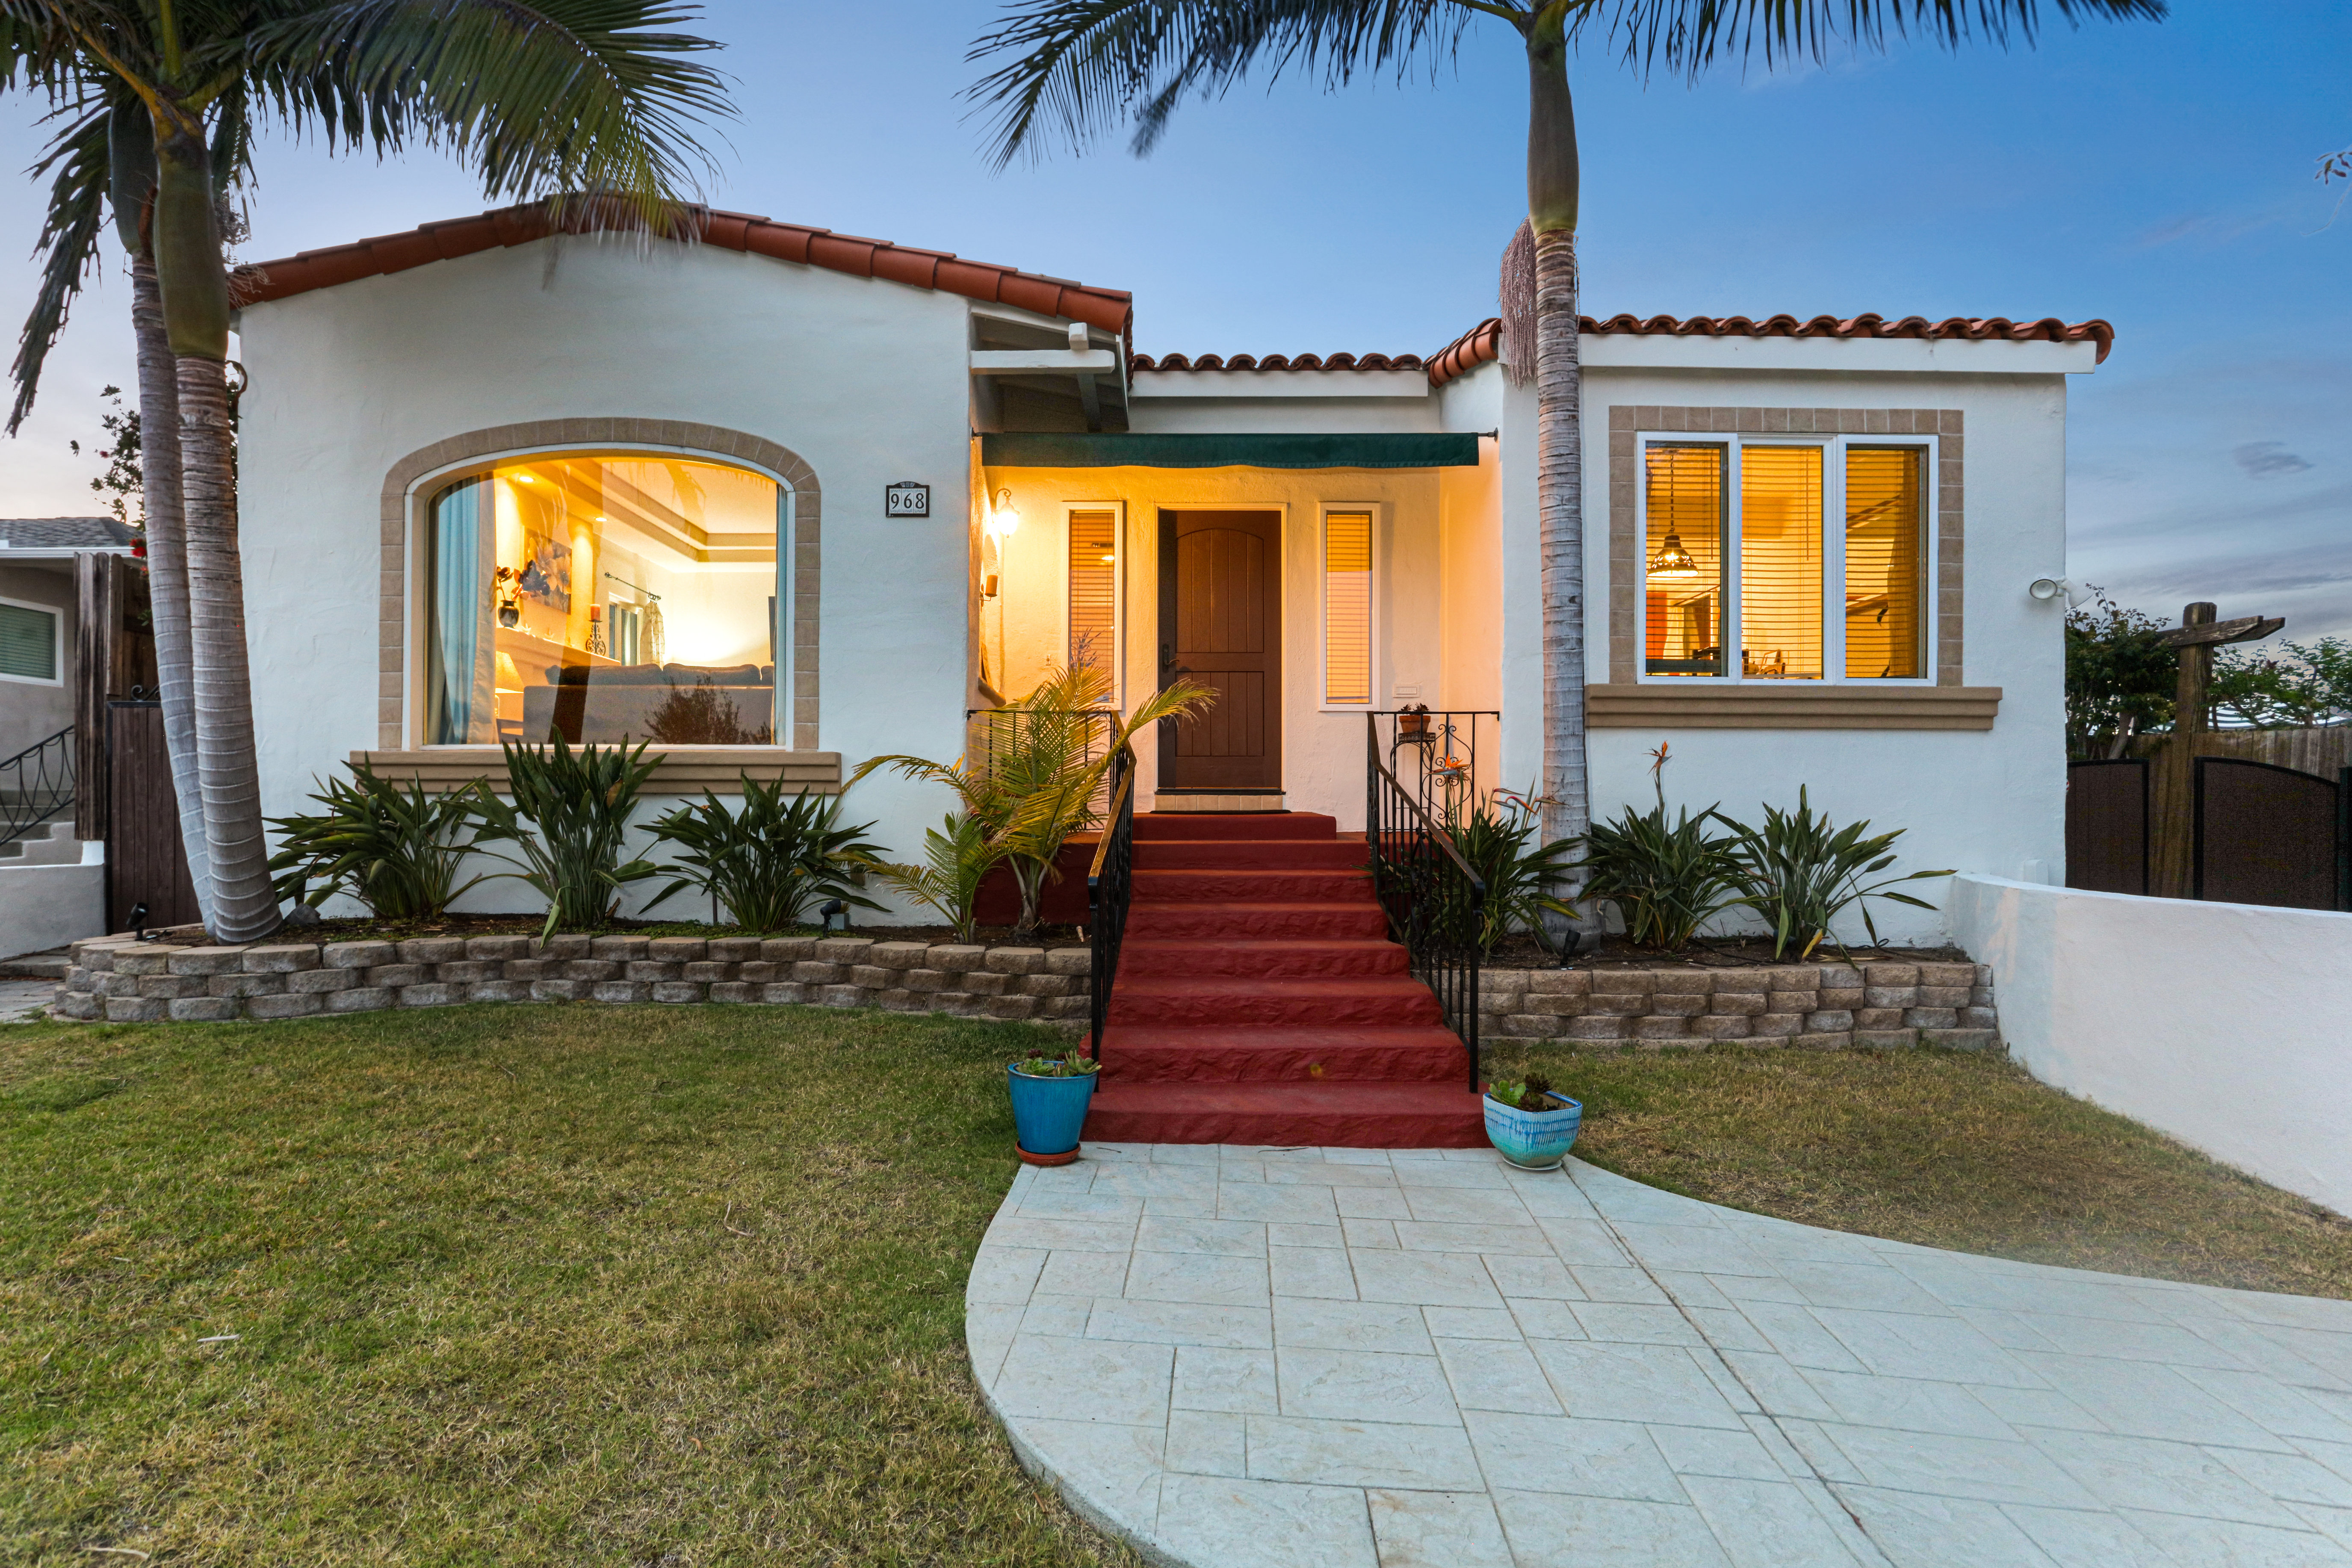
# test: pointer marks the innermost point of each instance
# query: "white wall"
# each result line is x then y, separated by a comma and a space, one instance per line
2226, 1025
42, 907
864, 379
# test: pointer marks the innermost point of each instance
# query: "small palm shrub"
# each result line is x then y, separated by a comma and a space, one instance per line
956, 855
569, 819
1666, 878
772, 861
1500, 839
1799, 873
397, 850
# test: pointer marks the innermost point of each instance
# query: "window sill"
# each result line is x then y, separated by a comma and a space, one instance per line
685, 770
1790, 705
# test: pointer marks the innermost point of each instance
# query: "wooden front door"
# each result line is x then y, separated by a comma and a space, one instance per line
1221, 623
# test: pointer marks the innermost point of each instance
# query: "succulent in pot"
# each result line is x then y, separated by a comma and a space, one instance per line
1050, 1094
1530, 1124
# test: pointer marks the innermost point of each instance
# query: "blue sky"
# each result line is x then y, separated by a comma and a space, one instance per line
2157, 175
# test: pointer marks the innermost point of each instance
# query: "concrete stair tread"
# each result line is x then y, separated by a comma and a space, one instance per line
1304, 988
1157, 826
1324, 1113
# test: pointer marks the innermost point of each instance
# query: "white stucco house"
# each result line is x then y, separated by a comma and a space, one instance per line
749, 498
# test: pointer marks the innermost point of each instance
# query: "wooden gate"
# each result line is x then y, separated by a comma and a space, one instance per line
144, 861
2268, 835
2106, 826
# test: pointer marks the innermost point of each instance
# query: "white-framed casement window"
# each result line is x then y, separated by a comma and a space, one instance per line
1771, 558
32, 642
1094, 562
1346, 557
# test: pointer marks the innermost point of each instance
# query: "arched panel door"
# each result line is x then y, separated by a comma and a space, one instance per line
1221, 624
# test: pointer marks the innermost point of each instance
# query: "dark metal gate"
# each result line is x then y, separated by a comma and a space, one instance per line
2106, 826
144, 861
2268, 835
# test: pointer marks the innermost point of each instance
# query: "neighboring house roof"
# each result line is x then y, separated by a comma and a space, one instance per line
1112, 310
1483, 344
64, 533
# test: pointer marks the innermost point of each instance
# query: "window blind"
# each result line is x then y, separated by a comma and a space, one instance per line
1683, 560
1885, 564
1348, 607
1780, 562
28, 642
1094, 589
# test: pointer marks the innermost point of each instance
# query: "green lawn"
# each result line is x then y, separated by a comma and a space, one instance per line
682, 1287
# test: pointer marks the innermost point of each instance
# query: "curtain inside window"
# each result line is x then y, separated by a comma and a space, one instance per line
1885, 564
1683, 561
461, 705
1094, 590
1348, 607
1780, 562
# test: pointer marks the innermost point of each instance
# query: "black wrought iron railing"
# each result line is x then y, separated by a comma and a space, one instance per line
1435, 755
1110, 889
1436, 903
36, 785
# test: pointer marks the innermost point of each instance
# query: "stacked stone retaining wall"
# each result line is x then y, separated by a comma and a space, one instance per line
120, 979
1824, 1005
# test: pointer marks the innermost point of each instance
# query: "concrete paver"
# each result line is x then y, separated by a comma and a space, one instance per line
1239, 1356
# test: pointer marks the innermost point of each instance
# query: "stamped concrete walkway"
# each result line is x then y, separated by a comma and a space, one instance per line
1343, 1358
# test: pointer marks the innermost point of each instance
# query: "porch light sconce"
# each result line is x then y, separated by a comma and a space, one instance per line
1673, 560
1003, 518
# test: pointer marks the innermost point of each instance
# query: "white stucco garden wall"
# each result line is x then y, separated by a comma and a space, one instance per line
2226, 1025
864, 379
44, 906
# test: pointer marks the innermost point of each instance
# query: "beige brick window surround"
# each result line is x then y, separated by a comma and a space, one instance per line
1627, 703
399, 732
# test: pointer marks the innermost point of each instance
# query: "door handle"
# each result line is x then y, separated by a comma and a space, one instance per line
1167, 656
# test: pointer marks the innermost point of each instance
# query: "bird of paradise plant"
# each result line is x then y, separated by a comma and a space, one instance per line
1036, 783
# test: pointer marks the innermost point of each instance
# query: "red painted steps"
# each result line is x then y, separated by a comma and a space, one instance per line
1260, 999
1333, 1115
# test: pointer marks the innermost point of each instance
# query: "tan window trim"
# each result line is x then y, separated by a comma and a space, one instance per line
1788, 705
685, 770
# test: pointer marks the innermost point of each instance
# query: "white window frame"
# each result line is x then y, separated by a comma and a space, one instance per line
1117, 509
1833, 450
56, 643
1376, 512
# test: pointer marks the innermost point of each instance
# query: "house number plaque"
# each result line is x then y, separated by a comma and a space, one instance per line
906, 499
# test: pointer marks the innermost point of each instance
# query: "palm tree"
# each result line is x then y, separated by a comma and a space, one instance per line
1081, 67
576, 100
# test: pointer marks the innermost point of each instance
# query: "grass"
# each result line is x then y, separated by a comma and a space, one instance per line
509, 1285
1950, 1149
684, 1286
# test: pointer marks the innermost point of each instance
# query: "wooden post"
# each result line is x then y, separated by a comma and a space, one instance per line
2172, 859
96, 616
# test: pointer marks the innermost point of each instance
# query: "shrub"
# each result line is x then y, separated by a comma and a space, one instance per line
1799, 873
773, 859
1499, 838
569, 819
395, 850
956, 855
1666, 878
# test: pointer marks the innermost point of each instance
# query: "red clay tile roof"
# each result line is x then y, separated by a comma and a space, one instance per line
1112, 310
1483, 344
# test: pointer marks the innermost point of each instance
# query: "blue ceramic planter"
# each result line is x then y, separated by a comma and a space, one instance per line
1533, 1140
1048, 1113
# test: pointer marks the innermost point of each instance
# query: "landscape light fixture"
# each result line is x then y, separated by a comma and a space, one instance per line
1673, 560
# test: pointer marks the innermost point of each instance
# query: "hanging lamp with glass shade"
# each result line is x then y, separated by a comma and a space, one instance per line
1672, 561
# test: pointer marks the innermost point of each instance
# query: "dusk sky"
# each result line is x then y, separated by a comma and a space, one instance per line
2160, 176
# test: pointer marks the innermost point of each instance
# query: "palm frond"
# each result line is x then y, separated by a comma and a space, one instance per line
550, 99
1083, 67
67, 246
1686, 37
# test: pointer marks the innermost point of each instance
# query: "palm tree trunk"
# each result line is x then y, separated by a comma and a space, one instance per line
167, 564
244, 906
1552, 195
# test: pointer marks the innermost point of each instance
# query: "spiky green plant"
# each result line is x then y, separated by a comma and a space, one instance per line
957, 855
1501, 840
1799, 873
1036, 780
569, 820
1666, 878
397, 850
771, 861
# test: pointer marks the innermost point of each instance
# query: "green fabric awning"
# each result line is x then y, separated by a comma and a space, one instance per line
1044, 451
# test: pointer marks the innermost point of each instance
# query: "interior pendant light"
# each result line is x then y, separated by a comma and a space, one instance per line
1673, 561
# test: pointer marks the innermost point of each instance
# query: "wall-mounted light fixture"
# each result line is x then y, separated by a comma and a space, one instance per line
1003, 518
2048, 588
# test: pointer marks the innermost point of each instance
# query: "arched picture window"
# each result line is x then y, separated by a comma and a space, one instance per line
605, 598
